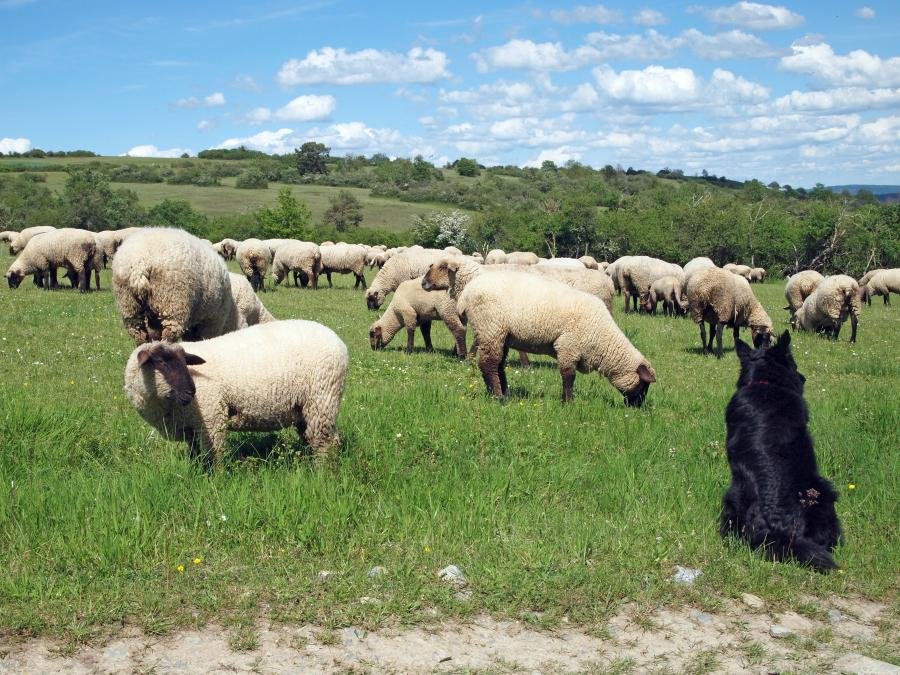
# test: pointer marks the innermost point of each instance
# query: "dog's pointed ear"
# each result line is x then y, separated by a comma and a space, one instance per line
143, 356
783, 347
193, 359
742, 349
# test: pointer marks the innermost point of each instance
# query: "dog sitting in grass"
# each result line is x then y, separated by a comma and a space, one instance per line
777, 500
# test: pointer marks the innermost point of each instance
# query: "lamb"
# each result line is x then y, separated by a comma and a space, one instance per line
74, 249
826, 308
261, 378
723, 298
254, 258
495, 256
302, 258
227, 248
17, 243
740, 270
376, 258
590, 262
524, 311
638, 273
757, 274
413, 306
344, 259
883, 283
669, 291
250, 310
522, 258
169, 285
400, 267
799, 287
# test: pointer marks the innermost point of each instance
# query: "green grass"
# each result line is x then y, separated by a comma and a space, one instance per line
562, 510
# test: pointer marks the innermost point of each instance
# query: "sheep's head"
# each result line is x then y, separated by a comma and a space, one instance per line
440, 275
14, 276
376, 338
634, 397
171, 362
374, 298
645, 301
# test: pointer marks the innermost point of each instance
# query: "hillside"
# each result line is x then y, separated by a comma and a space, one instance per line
884, 193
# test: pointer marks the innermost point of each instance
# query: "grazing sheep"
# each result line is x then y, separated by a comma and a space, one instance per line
74, 249
740, 270
261, 378
301, 258
250, 310
668, 290
864, 279
522, 258
638, 273
227, 248
344, 259
19, 241
614, 270
722, 298
603, 265
883, 283
590, 262
408, 264
865, 294
495, 256
826, 308
8, 235
524, 311
452, 250
411, 307
111, 240
757, 275
169, 285
694, 264
275, 244
477, 257
376, 258
254, 258
593, 282
799, 286
560, 263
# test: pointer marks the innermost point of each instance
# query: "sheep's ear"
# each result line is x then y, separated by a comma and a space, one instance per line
645, 374
193, 360
143, 356
742, 349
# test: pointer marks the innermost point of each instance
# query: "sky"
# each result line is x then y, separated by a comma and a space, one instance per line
798, 93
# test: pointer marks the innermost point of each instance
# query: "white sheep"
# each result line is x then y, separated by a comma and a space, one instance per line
376, 258
261, 378
8, 235
412, 307
799, 286
452, 250
344, 259
522, 258
402, 266
169, 285
496, 256
740, 270
254, 258
476, 255
668, 290
722, 298
537, 315
757, 274
250, 310
883, 283
111, 240
18, 243
826, 308
303, 259
637, 274
73, 249
590, 262
565, 263
694, 264
227, 248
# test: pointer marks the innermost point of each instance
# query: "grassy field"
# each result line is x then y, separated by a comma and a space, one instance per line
550, 510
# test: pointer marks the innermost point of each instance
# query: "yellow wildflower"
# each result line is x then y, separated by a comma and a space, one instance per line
180, 568
851, 486
198, 561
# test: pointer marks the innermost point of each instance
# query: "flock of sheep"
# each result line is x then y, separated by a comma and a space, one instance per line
209, 357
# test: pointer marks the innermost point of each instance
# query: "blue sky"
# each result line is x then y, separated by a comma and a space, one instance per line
800, 93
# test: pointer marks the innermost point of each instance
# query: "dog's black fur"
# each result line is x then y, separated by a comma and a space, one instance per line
777, 499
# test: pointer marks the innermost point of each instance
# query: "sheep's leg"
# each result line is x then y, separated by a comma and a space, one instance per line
501, 371
318, 427
719, 329
426, 335
97, 277
51, 279
524, 361
568, 382
328, 274
854, 320
38, 279
410, 338
627, 303
634, 301
737, 332
488, 361
703, 336
887, 298
360, 280
314, 280
837, 330
84, 279
453, 324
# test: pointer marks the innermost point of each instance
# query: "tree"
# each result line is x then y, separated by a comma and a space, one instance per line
252, 178
344, 212
290, 219
311, 157
442, 228
93, 205
177, 213
467, 167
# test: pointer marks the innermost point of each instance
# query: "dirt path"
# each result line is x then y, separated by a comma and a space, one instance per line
740, 638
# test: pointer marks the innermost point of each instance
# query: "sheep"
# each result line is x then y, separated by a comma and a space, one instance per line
227, 248
344, 259
400, 267
638, 273
740, 270
590, 262
74, 249
614, 270
883, 283
254, 258
261, 378
799, 286
376, 258
302, 258
694, 264
476, 256
524, 311
452, 250
560, 263
413, 306
593, 282
826, 308
495, 256
669, 290
521, 258
8, 235
17, 243
250, 310
757, 274
169, 285
275, 244
603, 265
724, 298
111, 240
326, 243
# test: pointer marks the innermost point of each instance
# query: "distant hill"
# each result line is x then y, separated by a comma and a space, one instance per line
884, 193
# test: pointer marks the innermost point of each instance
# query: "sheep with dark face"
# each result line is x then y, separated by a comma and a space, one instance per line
73, 249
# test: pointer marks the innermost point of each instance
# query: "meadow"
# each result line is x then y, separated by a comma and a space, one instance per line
551, 511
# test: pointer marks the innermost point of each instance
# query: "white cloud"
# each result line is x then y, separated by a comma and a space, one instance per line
583, 98
858, 68
246, 82
843, 99
649, 46
216, 99
8, 145
653, 85
729, 87
754, 16
731, 45
865, 13
307, 109
883, 130
558, 156
586, 14
527, 55
649, 17
153, 151
259, 115
338, 66
204, 125
352, 137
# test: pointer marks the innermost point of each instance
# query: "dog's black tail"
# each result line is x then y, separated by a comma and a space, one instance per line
810, 553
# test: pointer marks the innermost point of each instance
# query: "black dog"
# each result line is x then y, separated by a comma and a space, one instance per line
777, 499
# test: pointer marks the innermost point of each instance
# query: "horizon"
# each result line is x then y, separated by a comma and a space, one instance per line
798, 93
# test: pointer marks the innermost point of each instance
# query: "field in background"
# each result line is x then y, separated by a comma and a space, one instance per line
550, 510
